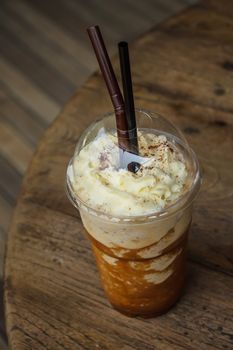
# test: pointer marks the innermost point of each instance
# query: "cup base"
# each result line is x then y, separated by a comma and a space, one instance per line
148, 314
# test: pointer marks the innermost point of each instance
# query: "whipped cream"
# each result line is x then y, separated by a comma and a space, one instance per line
102, 185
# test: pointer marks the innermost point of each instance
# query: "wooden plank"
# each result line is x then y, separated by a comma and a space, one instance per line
45, 76
100, 13
57, 286
153, 10
54, 32
10, 181
3, 344
27, 124
13, 147
47, 50
27, 92
2, 253
225, 11
66, 19
6, 209
3, 339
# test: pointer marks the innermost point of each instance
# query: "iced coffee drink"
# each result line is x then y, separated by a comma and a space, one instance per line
137, 221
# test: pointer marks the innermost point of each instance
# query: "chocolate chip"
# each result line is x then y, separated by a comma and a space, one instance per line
133, 167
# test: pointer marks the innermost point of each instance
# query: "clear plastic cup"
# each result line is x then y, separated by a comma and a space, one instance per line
141, 259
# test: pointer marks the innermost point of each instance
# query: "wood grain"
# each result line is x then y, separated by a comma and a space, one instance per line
183, 70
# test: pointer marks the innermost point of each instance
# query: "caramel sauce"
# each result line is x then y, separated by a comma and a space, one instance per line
142, 287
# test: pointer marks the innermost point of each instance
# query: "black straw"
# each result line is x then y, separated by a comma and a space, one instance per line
128, 95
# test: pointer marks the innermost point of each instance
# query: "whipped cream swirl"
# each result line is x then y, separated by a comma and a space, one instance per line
102, 185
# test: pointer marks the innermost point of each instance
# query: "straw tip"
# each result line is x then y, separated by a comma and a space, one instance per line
92, 28
123, 44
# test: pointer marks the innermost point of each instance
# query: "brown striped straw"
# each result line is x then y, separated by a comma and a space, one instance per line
112, 85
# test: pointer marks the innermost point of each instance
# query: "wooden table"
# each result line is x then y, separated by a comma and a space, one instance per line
184, 70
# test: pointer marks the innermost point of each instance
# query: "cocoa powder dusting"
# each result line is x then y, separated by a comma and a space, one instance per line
104, 161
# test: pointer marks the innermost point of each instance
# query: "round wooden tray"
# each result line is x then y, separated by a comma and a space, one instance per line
54, 300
